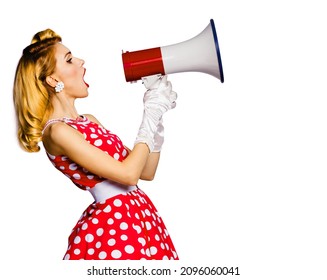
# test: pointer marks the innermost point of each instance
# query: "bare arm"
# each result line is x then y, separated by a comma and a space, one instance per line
61, 139
150, 167
151, 164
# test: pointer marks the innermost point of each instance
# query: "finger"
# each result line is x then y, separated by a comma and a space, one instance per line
172, 96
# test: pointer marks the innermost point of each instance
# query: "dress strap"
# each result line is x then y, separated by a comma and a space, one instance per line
80, 118
49, 122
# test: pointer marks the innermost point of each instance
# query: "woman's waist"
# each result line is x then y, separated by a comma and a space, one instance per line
107, 189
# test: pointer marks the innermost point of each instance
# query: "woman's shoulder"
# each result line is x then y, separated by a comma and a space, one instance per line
92, 118
57, 136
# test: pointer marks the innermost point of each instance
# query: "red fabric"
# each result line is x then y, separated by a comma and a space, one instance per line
97, 136
126, 226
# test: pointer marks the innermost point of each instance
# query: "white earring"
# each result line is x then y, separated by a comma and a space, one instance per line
59, 86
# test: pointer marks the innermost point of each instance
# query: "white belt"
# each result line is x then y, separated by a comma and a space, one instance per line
106, 189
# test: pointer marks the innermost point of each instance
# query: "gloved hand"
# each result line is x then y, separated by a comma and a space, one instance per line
153, 81
158, 99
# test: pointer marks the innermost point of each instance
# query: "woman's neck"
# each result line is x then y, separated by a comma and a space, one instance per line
63, 107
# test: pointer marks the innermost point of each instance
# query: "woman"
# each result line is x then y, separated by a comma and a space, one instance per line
122, 223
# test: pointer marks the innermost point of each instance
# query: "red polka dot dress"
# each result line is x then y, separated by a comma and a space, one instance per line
122, 223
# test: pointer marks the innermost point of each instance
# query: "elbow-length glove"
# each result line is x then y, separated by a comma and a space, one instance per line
158, 99
159, 137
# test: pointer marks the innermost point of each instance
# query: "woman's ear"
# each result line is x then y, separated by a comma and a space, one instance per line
51, 81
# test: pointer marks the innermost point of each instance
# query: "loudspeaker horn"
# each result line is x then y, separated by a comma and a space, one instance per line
199, 54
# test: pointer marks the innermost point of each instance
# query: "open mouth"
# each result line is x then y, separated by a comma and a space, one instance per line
83, 78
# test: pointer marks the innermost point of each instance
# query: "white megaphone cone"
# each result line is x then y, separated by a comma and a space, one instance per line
199, 54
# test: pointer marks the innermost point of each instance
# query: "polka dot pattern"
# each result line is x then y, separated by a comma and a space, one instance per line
124, 227
97, 136
124, 231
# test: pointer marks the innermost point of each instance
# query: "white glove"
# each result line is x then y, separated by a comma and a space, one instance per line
159, 137
158, 99
153, 81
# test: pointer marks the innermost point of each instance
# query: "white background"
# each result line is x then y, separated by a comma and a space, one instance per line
242, 176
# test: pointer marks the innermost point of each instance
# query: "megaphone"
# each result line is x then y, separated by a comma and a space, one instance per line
199, 54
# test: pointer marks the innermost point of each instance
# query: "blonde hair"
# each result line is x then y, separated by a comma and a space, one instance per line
31, 93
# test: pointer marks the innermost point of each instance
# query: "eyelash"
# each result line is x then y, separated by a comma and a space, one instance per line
70, 60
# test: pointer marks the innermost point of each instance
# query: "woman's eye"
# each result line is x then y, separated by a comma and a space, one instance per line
70, 60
